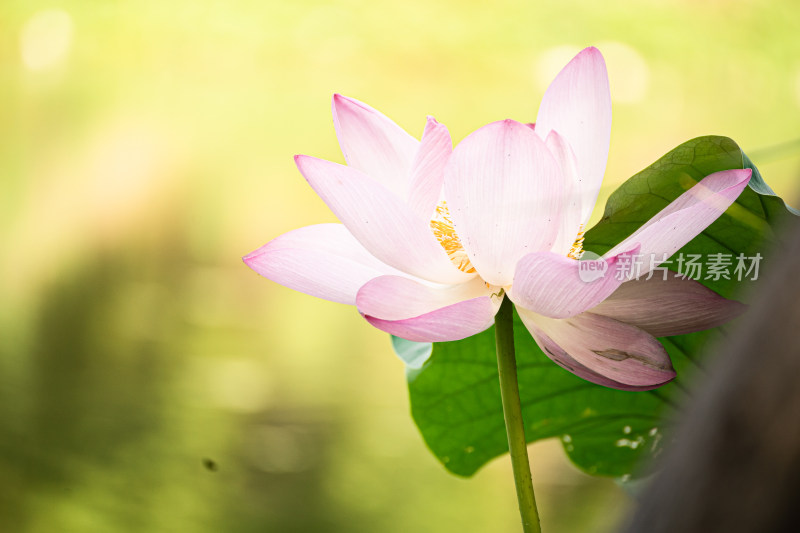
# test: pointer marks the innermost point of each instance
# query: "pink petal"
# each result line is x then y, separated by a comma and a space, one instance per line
397, 298
620, 352
684, 218
671, 306
560, 287
563, 359
325, 261
373, 144
451, 323
427, 171
571, 217
504, 191
578, 106
380, 221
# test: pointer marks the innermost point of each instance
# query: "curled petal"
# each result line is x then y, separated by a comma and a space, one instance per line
671, 306
560, 287
564, 360
373, 144
504, 191
325, 261
683, 219
380, 221
451, 323
397, 298
617, 351
577, 105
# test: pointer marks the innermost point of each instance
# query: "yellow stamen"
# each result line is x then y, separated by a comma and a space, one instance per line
576, 251
445, 233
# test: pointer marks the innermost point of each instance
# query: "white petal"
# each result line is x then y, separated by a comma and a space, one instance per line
373, 144
504, 191
578, 106
380, 221
325, 261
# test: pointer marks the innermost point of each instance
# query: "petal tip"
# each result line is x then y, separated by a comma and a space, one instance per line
342, 101
669, 375
338, 101
748, 173
258, 253
510, 125
343, 104
300, 161
592, 53
339, 98
740, 178
431, 124
655, 378
252, 258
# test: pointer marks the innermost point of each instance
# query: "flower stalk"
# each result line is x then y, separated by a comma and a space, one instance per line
512, 411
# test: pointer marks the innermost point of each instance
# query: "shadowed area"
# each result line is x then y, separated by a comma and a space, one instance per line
735, 466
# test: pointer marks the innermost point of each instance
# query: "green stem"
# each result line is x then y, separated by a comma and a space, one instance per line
509, 390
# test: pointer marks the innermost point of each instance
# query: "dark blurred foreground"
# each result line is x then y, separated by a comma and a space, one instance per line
736, 464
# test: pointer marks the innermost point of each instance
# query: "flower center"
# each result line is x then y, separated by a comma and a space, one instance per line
445, 233
576, 251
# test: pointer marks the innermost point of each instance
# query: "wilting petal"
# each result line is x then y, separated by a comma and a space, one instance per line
620, 352
559, 287
451, 323
373, 144
683, 219
380, 221
571, 217
427, 171
578, 106
671, 306
325, 261
504, 191
563, 359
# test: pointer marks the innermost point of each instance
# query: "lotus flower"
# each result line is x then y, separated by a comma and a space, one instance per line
432, 239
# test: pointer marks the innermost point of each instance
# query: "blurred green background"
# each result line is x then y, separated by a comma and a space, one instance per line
149, 381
